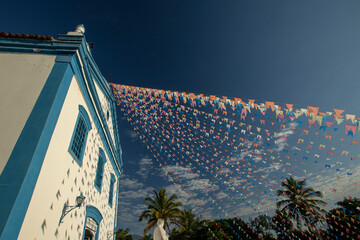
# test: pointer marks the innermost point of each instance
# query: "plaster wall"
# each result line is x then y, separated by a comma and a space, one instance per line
62, 179
105, 105
22, 77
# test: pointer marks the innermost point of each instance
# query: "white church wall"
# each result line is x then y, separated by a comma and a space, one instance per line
62, 179
105, 105
22, 77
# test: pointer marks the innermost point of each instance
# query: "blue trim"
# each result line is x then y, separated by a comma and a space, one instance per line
21, 172
111, 189
53, 47
64, 58
95, 214
83, 112
82, 115
77, 69
93, 74
116, 131
116, 206
100, 170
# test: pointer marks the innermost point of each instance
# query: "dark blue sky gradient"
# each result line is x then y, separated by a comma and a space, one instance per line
306, 53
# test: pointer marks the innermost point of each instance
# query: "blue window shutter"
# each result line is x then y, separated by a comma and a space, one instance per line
78, 140
111, 189
100, 170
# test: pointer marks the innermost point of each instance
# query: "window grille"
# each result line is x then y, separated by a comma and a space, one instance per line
79, 138
111, 191
100, 170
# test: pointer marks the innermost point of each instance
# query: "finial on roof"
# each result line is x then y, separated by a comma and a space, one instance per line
80, 29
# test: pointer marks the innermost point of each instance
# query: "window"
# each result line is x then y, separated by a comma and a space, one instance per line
92, 223
100, 170
111, 189
78, 140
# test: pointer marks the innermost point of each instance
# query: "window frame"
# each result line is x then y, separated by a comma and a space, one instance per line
96, 215
111, 189
85, 117
101, 157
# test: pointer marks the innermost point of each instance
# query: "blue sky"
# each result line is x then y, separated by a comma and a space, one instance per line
300, 52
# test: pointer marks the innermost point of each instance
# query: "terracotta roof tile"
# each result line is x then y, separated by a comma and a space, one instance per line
26, 36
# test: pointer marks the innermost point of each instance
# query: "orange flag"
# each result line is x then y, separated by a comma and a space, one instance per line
269, 104
312, 110
338, 112
239, 100
289, 106
328, 136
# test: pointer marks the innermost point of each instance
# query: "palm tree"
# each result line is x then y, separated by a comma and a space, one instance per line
301, 204
147, 237
345, 215
189, 224
163, 207
261, 225
123, 234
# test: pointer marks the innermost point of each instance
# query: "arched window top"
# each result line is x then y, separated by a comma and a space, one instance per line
92, 223
85, 116
112, 177
94, 213
102, 155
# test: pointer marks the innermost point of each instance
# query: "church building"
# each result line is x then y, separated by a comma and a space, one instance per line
60, 153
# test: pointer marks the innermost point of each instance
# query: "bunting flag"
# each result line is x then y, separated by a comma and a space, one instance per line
233, 154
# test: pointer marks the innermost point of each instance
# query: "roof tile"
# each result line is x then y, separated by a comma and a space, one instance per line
25, 36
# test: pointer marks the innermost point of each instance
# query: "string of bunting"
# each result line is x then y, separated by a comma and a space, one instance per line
242, 151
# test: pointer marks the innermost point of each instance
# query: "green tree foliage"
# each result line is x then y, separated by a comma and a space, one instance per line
147, 237
188, 225
301, 204
261, 224
123, 234
232, 228
236, 227
162, 206
282, 224
343, 221
298, 208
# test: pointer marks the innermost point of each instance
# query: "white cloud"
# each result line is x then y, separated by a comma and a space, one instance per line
281, 137
335, 188
126, 182
145, 167
130, 218
132, 135
193, 181
221, 195
141, 193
